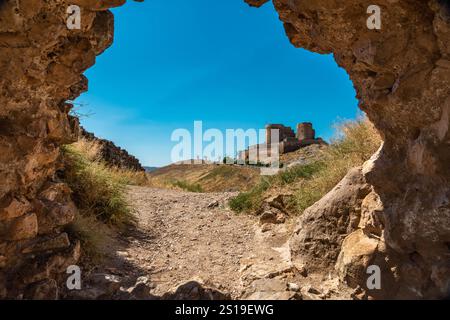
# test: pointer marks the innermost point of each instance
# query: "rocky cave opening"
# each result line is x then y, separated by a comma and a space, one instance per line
393, 212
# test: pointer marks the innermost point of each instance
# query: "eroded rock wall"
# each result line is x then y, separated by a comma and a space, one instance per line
113, 155
401, 74
41, 65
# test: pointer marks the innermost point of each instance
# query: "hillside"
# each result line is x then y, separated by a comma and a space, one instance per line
223, 178
205, 177
303, 156
309, 173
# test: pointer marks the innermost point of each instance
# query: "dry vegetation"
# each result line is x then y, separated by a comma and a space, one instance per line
354, 143
99, 193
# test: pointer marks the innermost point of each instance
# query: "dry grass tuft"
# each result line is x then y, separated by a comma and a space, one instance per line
99, 192
93, 234
355, 142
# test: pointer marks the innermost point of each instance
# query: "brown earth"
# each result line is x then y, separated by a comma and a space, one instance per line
188, 240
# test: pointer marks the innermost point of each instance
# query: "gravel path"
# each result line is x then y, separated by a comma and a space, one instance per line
183, 237
188, 236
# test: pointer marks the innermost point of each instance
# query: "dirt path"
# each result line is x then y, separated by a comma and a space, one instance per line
183, 237
193, 236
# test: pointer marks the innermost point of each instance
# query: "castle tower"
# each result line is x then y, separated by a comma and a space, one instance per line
268, 134
283, 133
305, 131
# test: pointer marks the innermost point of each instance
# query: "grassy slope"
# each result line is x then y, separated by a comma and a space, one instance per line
205, 177
99, 193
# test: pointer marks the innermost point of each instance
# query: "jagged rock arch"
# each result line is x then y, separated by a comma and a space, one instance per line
394, 212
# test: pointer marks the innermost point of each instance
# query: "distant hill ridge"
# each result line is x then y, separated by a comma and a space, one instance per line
208, 177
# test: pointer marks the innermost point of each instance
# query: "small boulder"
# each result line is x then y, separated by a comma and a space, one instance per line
99, 286
193, 290
313, 290
213, 204
293, 287
141, 290
271, 217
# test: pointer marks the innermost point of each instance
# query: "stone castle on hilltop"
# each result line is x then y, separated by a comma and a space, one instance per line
288, 141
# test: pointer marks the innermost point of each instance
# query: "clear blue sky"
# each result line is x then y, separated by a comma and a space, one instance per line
222, 62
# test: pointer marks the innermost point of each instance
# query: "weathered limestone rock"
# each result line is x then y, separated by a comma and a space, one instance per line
270, 289
194, 290
48, 243
54, 207
256, 3
318, 236
14, 208
41, 66
43, 290
98, 5
97, 286
271, 217
402, 78
356, 256
23, 227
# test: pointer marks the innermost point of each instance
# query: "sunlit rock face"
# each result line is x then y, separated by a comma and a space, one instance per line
41, 65
401, 74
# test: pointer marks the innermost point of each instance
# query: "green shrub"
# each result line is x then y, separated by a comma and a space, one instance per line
250, 200
291, 175
220, 171
187, 186
228, 160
